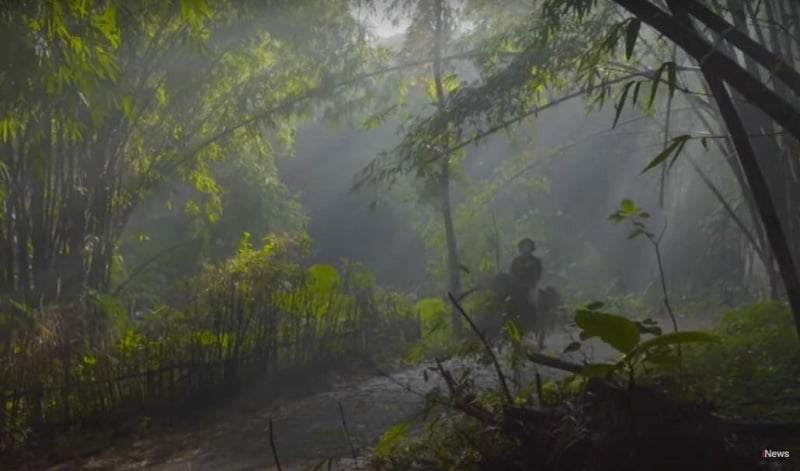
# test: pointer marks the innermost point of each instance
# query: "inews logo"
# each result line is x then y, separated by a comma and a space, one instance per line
774, 453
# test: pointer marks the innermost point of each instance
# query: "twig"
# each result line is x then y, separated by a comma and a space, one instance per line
385, 374
458, 403
556, 363
472, 411
486, 345
272, 445
657, 246
347, 435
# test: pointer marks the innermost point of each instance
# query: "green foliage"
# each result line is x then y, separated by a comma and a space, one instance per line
391, 439
260, 311
434, 320
129, 96
452, 440
629, 305
446, 444
617, 331
752, 371
636, 216
624, 335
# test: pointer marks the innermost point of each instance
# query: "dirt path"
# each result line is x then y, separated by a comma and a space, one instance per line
307, 430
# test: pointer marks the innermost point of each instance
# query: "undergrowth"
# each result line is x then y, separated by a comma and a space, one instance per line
655, 408
754, 371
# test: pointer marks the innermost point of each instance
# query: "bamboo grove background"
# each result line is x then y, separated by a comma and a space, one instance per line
259, 313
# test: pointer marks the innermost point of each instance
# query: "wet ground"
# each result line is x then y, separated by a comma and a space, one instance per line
339, 422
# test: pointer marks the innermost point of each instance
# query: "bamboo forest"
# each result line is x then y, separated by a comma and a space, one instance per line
400, 235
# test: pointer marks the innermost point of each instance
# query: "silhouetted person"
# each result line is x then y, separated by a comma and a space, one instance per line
526, 271
526, 268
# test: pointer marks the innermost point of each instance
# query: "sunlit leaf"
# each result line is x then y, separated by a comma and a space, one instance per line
391, 438
628, 206
430, 309
324, 277
513, 331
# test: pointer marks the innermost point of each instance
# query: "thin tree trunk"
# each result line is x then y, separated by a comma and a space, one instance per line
453, 269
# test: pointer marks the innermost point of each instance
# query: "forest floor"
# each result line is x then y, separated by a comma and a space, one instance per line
310, 429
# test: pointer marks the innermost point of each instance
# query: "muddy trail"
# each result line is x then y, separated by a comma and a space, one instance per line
342, 421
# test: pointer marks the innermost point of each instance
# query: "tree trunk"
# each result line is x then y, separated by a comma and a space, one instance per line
454, 274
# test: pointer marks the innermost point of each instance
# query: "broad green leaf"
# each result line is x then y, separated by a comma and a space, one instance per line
619, 332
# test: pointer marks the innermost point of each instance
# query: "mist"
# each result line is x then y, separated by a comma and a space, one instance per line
372, 234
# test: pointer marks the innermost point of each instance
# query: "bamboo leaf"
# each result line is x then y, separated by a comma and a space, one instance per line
621, 103
654, 87
672, 78
631, 33
676, 144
